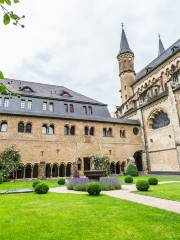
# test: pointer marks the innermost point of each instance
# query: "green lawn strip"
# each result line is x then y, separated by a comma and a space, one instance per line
81, 217
167, 191
13, 185
160, 178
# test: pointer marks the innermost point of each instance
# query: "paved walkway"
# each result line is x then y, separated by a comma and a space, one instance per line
126, 194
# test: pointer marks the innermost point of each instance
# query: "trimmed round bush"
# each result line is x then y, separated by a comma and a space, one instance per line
41, 188
94, 189
128, 179
142, 185
131, 170
35, 183
61, 181
153, 181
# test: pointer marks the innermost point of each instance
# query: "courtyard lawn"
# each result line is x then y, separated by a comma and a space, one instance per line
81, 217
167, 191
160, 178
13, 185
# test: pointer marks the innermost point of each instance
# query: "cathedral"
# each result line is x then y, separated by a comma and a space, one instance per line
57, 130
152, 96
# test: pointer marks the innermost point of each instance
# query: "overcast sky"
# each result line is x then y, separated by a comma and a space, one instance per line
75, 42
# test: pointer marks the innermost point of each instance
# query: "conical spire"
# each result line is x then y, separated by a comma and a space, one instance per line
161, 47
124, 45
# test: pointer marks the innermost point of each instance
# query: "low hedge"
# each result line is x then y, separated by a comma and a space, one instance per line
41, 188
94, 189
61, 181
153, 181
128, 179
142, 185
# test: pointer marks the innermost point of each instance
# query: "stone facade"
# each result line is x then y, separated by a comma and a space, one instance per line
155, 103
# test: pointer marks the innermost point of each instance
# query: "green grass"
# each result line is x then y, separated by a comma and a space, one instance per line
160, 178
81, 217
167, 191
13, 185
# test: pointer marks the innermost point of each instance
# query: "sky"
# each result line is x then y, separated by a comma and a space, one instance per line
74, 43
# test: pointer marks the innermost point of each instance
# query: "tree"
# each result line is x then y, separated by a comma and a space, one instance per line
131, 170
8, 17
101, 163
9, 162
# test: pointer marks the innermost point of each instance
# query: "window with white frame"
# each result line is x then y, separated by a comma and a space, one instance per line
29, 105
6, 102
23, 103
44, 106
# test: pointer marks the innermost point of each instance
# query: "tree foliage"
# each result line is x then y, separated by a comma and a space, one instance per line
101, 163
9, 161
8, 17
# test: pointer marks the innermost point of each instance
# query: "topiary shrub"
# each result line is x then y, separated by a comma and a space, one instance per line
153, 181
94, 189
61, 181
35, 183
142, 185
131, 170
41, 188
128, 179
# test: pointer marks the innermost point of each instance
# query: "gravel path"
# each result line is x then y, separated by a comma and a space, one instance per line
126, 193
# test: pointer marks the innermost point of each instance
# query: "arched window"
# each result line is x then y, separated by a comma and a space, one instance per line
51, 129
122, 133
21, 127
68, 170
62, 170
3, 126
72, 130
159, 119
86, 130
44, 129
91, 131
28, 128
28, 171
20, 172
48, 170
35, 170
66, 130
55, 170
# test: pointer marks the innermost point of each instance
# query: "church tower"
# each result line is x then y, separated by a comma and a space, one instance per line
126, 67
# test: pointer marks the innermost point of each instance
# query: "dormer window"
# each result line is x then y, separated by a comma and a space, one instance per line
68, 108
29, 105
26, 89
71, 108
65, 94
51, 107
6, 102
88, 110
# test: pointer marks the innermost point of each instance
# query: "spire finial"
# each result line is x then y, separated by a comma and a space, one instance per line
122, 25
159, 36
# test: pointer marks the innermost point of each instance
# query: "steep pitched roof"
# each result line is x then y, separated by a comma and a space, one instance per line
124, 45
173, 49
161, 48
46, 91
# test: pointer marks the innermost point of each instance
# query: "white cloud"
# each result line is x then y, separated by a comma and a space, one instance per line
75, 42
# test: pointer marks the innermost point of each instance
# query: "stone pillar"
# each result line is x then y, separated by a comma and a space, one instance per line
41, 172
75, 172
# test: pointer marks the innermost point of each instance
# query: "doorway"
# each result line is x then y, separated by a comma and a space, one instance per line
138, 160
87, 164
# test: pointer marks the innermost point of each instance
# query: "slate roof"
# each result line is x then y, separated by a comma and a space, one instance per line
37, 92
47, 91
124, 45
159, 60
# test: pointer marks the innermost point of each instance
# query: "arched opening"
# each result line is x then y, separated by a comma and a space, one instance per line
55, 170
79, 163
28, 171
44, 129
48, 170
118, 168
51, 129
20, 172
138, 160
112, 168
123, 166
62, 170
35, 170
68, 170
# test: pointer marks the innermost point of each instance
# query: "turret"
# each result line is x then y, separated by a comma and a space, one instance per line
126, 67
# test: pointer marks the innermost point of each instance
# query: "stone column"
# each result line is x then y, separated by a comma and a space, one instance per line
41, 172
